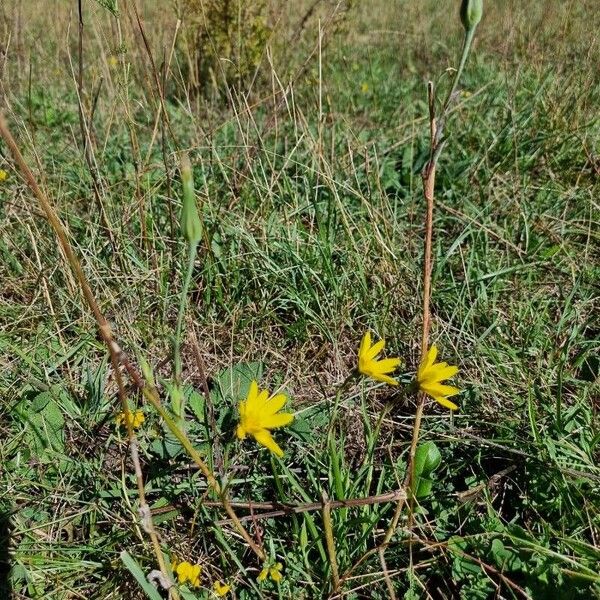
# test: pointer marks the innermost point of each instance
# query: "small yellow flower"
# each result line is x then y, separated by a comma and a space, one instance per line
274, 572
113, 61
259, 414
221, 589
135, 418
430, 376
371, 367
187, 572
364, 88
3, 175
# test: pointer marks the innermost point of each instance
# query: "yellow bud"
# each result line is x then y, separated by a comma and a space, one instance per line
191, 226
471, 12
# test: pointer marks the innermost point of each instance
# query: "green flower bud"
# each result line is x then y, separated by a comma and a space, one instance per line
191, 226
471, 12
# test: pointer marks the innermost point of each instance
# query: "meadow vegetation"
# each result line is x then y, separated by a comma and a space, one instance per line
300, 133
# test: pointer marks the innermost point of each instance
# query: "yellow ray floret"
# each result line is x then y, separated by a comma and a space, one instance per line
259, 413
274, 572
187, 572
135, 419
430, 376
221, 589
371, 367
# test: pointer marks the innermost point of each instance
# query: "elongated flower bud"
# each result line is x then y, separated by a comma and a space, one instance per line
191, 226
471, 12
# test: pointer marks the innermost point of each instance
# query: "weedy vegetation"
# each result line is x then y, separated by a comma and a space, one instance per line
299, 300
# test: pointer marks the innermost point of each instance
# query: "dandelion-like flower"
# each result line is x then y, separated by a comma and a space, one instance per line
274, 572
430, 376
259, 413
135, 418
187, 572
221, 589
3, 175
371, 367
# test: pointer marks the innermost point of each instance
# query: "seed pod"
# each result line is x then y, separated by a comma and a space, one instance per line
471, 12
191, 226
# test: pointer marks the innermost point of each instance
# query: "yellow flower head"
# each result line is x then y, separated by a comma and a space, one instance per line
3, 175
371, 367
135, 418
187, 572
274, 572
259, 413
430, 376
221, 589
364, 88
113, 61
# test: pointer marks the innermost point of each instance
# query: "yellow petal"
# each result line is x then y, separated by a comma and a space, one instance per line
439, 372
427, 361
194, 575
240, 432
386, 365
275, 574
263, 574
384, 378
221, 589
274, 404
446, 403
264, 438
252, 392
262, 399
437, 389
278, 420
375, 349
365, 344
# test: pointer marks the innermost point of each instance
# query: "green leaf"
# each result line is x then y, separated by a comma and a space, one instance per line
233, 383
195, 401
134, 568
427, 459
504, 557
44, 423
424, 487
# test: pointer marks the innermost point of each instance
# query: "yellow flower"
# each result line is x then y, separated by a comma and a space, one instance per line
430, 376
259, 414
113, 61
274, 572
221, 589
371, 367
3, 175
364, 88
135, 418
187, 572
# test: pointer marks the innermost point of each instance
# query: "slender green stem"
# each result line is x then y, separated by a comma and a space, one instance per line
338, 396
467, 43
192, 249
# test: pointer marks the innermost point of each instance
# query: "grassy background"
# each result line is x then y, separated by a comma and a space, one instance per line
310, 191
